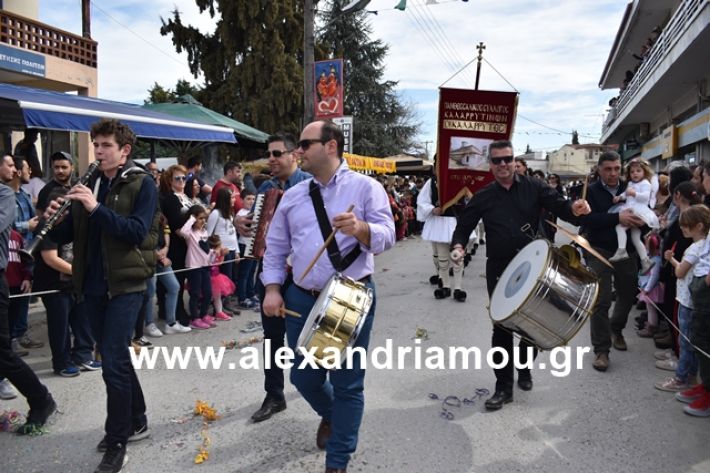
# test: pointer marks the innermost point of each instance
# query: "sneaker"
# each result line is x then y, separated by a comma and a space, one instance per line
253, 326
177, 327
672, 384
153, 331
670, 364
114, 459
601, 362
17, 348
90, 365
36, 418
691, 394
247, 304
138, 434
621, 254
27, 342
199, 324
699, 407
222, 316
7, 392
209, 320
663, 354
141, 342
68, 372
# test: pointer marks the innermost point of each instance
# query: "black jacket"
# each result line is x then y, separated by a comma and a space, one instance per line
599, 226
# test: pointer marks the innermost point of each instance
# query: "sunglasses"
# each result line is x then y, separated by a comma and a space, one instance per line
179, 178
503, 159
305, 144
277, 153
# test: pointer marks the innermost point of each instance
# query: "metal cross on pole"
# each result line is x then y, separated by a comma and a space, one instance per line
481, 46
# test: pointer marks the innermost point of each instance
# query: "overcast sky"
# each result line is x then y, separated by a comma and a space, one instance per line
552, 52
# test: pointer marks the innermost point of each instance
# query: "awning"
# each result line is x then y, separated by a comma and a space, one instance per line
36, 108
366, 163
187, 107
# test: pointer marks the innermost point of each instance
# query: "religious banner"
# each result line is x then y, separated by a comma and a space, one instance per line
469, 120
328, 88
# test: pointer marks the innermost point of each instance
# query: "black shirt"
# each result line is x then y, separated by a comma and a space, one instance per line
599, 226
50, 191
46, 278
506, 211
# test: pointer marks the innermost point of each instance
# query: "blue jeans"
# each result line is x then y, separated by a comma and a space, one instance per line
64, 318
687, 361
18, 313
172, 287
112, 321
335, 395
228, 268
245, 277
200, 285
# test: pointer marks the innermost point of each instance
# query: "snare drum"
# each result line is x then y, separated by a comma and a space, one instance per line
545, 294
337, 316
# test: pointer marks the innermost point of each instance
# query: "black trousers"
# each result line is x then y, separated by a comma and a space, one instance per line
275, 332
11, 366
503, 338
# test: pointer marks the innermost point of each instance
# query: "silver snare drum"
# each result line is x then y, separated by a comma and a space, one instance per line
545, 294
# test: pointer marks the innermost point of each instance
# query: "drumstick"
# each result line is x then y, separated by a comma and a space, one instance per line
322, 248
292, 313
584, 189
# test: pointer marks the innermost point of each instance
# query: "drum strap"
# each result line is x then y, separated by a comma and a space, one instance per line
340, 264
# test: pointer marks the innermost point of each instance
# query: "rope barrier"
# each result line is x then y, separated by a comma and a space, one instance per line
56, 291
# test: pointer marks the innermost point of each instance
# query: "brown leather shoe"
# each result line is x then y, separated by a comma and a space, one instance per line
601, 362
618, 342
335, 470
323, 434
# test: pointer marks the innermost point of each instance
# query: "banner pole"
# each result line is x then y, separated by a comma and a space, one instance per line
481, 46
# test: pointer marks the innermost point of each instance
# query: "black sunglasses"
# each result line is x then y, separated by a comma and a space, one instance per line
179, 178
305, 144
277, 153
506, 159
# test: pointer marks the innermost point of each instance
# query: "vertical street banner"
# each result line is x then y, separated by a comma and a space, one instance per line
328, 91
346, 124
469, 120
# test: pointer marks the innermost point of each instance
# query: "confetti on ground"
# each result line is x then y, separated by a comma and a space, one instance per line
234, 344
421, 333
209, 414
11, 421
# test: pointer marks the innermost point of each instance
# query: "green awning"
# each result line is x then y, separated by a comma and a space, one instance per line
187, 107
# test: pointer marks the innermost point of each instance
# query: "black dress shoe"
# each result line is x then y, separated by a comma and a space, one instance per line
496, 401
323, 434
268, 408
434, 280
525, 384
460, 295
442, 293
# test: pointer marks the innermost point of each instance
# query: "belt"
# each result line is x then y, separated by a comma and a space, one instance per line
314, 293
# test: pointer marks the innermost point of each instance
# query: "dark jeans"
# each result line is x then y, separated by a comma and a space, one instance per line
228, 268
625, 281
245, 277
63, 314
336, 395
112, 322
18, 313
274, 331
503, 338
700, 327
11, 366
200, 285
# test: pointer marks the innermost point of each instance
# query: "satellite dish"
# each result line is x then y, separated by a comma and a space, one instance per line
355, 5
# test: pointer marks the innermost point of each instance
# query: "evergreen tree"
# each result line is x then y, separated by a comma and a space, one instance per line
159, 94
383, 124
528, 149
251, 63
575, 137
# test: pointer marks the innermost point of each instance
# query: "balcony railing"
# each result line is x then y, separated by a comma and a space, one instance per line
37, 37
673, 31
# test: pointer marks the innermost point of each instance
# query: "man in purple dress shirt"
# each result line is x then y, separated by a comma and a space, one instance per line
336, 395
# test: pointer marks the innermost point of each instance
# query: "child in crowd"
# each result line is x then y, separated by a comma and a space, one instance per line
198, 260
694, 223
247, 267
222, 286
409, 214
698, 398
651, 288
637, 197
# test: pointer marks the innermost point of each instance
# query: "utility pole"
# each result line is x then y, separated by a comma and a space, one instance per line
426, 147
309, 13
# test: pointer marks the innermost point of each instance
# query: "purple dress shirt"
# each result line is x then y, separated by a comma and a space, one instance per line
294, 230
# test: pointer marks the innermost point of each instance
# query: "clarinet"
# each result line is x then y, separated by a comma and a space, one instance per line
27, 253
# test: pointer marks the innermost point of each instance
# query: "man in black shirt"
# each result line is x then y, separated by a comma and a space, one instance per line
506, 206
599, 227
62, 169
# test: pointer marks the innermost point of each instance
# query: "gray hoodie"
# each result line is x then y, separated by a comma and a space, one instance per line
7, 218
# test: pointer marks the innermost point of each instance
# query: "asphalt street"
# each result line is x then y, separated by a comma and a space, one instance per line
584, 422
